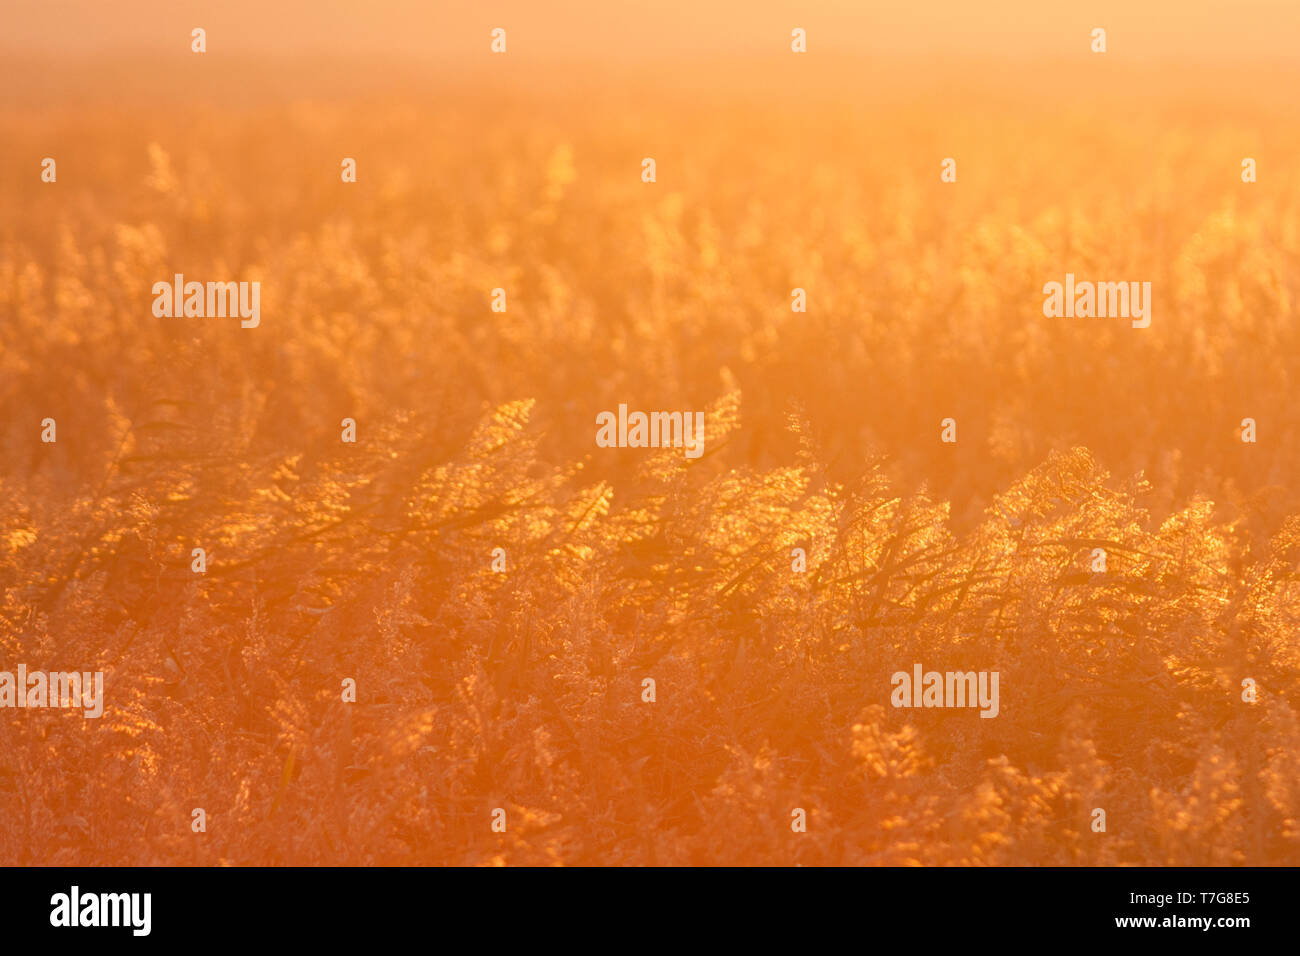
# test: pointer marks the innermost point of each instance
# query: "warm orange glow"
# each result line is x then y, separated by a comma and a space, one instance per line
514, 680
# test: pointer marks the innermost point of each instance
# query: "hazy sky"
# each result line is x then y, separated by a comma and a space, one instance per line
1196, 29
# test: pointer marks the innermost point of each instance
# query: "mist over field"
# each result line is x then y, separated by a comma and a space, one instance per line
1201, 30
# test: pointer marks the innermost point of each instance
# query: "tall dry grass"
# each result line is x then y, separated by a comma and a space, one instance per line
476, 430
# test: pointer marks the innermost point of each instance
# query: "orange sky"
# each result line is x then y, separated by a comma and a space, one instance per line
1192, 29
